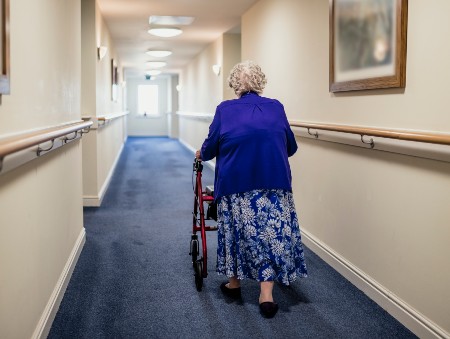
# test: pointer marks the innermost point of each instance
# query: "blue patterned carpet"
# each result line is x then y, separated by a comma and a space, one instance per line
134, 278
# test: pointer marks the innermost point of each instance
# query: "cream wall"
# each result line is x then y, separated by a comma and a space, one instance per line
231, 56
41, 214
40, 96
104, 102
286, 38
88, 55
88, 95
173, 125
103, 145
202, 90
110, 141
381, 219
147, 126
193, 131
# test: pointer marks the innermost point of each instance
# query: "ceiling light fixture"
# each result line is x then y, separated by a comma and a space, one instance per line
170, 20
155, 64
165, 32
153, 72
158, 53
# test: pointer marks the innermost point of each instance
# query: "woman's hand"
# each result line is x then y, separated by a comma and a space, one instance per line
197, 155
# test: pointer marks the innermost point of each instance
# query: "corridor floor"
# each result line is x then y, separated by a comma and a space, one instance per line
134, 278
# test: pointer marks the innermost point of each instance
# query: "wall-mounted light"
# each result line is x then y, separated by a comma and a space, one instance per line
101, 52
216, 69
165, 32
158, 53
178, 87
155, 64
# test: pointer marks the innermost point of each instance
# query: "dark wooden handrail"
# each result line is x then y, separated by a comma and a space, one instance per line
432, 138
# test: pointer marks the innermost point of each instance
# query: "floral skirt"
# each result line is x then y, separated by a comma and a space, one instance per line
259, 237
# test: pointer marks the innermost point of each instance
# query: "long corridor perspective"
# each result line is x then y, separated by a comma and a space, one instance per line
98, 131
134, 278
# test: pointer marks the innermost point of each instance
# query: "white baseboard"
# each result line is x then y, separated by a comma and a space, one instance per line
92, 200
404, 313
45, 322
96, 200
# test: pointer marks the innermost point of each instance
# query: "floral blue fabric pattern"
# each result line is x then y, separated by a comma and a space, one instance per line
259, 237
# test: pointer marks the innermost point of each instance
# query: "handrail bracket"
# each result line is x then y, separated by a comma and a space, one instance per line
370, 142
40, 150
85, 130
316, 135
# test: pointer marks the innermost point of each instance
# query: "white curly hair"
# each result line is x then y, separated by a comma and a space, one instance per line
245, 77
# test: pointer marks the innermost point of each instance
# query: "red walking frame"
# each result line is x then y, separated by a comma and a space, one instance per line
202, 198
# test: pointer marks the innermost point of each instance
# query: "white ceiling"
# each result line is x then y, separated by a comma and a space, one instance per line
128, 24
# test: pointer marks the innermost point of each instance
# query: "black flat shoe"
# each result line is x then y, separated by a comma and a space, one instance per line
233, 293
268, 309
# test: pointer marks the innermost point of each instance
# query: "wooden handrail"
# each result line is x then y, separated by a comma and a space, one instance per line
432, 138
108, 117
23, 141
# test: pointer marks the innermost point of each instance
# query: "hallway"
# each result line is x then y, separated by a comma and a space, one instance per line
99, 125
134, 278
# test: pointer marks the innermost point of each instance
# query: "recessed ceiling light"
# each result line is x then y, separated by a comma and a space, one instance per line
170, 20
165, 32
153, 72
159, 53
155, 64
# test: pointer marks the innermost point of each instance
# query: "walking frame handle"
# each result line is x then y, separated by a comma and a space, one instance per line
198, 166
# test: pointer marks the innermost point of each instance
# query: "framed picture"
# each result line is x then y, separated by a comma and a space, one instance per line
367, 44
114, 81
4, 47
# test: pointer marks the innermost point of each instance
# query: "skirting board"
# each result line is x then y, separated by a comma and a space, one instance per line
404, 313
92, 200
45, 322
96, 201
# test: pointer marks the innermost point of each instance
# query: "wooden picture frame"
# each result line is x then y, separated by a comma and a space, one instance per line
367, 44
4, 48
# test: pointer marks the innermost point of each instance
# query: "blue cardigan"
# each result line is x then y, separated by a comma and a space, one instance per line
251, 139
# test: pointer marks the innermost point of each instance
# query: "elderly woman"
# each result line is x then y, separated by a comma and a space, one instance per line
258, 230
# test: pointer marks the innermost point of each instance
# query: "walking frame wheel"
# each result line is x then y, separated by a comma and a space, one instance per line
194, 249
198, 268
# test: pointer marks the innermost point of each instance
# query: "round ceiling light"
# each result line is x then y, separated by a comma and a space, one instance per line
165, 32
155, 64
159, 53
153, 72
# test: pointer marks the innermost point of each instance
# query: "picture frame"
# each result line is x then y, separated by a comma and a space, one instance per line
367, 44
4, 48
114, 81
